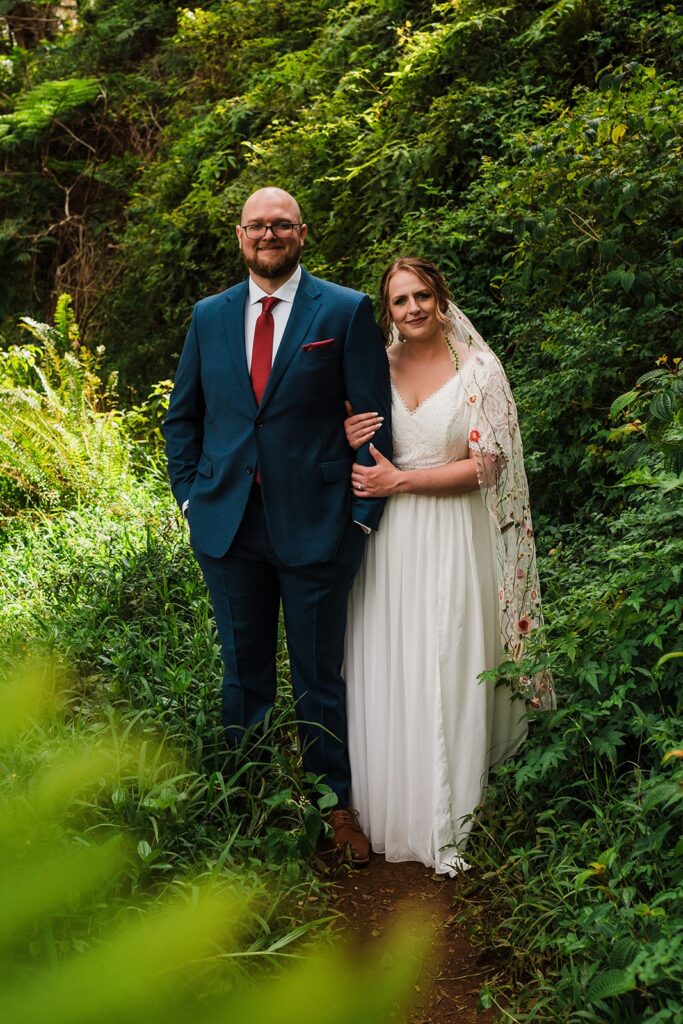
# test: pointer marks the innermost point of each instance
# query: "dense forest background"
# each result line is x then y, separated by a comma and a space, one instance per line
533, 150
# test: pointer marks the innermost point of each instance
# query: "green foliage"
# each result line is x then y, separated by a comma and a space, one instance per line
581, 845
655, 447
564, 17
78, 945
38, 109
533, 150
123, 602
520, 145
59, 440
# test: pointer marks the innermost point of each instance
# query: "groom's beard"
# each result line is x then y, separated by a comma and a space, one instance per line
278, 262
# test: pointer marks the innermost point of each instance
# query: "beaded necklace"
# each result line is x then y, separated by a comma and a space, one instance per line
454, 355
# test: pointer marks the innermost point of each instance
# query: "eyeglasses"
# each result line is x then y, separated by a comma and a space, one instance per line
279, 228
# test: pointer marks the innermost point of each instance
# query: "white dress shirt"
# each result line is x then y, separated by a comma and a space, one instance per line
280, 311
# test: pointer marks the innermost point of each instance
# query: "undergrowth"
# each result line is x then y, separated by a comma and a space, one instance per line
580, 855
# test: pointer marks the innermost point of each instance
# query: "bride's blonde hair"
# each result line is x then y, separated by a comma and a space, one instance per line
431, 277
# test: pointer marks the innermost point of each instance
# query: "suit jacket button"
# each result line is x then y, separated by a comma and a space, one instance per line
249, 469
259, 423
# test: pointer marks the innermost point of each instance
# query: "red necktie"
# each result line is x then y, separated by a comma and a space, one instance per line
262, 352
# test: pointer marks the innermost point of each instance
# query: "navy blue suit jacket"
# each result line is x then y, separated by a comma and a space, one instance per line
216, 434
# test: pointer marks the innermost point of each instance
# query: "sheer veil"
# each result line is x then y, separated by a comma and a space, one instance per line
495, 443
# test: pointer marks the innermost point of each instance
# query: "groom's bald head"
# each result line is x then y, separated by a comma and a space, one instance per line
270, 197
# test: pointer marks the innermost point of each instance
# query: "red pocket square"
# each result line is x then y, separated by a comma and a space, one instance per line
317, 344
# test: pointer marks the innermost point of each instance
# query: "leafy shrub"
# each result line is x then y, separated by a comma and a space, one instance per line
654, 448
581, 843
36, 110
60, 440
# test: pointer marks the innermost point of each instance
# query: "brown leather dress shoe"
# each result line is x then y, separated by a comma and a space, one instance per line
348, 836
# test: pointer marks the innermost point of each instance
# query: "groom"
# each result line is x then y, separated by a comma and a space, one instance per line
259, 463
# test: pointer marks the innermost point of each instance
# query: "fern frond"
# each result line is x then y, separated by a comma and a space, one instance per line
65, 321
555, 19
57, 444
35, 110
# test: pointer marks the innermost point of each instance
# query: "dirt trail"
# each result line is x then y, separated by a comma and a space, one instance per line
449, 979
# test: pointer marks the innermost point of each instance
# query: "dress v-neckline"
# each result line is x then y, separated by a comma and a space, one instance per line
411, 412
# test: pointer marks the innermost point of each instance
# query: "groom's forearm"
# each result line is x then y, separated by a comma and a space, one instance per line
366, 370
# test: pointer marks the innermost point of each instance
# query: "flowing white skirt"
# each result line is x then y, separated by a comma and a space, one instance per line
423, 731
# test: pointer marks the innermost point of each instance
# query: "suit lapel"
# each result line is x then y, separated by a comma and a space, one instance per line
233, 324
306, 305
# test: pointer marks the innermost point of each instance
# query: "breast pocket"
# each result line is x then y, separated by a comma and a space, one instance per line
316, 354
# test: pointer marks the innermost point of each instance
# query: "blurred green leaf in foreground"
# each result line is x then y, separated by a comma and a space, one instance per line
67, 956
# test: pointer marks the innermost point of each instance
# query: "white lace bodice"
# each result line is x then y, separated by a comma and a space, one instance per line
437, 431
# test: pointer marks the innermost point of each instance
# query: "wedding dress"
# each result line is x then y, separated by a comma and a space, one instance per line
424, 622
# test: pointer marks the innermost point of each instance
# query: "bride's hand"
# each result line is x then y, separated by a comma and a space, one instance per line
378, 481
362, 427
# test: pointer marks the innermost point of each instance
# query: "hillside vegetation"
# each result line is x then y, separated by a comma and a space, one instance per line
533, 150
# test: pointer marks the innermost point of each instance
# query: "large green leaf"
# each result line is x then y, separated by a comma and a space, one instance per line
608, 984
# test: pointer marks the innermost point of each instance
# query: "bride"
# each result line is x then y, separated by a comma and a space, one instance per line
448, 586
